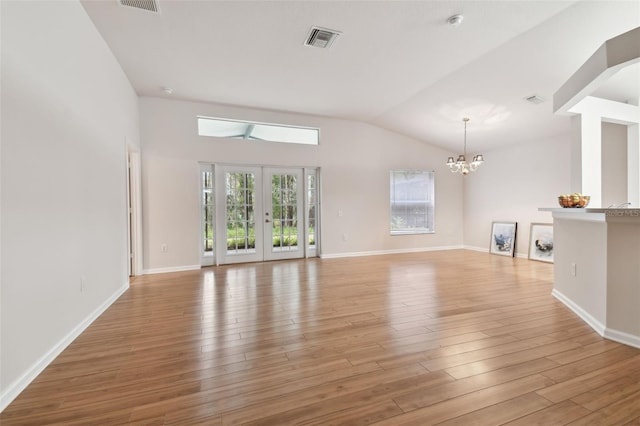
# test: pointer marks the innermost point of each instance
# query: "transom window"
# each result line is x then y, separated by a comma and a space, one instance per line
235, 129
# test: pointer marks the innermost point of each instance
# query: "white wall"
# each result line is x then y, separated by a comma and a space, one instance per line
512, 184
586, 291
623, 275
355, 159
67, 109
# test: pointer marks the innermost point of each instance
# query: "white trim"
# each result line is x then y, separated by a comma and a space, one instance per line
14, 389
622, 337
394, 251
480, 249
608, 333
171, 269
584, 315
577, 214
134, 163
486, 250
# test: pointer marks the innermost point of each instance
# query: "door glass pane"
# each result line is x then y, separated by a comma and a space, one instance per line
311, 213
285, 213
207, 211
240, 222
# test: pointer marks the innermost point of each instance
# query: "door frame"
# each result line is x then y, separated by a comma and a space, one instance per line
134, 215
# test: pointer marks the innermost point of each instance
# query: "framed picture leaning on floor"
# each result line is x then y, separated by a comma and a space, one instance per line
503, 238
541, 242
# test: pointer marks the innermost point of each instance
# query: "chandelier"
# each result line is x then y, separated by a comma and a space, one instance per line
460, 165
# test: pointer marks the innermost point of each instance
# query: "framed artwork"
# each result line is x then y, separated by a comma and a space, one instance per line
503, 238
541, 242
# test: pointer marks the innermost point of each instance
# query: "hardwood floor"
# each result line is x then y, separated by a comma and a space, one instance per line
453, 337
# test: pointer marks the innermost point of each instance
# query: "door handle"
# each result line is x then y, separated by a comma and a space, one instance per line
267, 221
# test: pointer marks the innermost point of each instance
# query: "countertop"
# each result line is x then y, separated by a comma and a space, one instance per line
596, 213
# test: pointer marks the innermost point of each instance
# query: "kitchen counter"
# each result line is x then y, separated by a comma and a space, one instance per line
597, 268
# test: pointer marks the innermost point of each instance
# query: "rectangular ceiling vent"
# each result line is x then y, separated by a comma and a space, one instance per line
148, 5
534, 99
321, 37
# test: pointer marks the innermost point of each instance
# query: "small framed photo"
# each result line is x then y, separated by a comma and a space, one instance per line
503, 238
541, 242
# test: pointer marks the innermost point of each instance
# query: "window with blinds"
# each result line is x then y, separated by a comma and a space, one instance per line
412, 202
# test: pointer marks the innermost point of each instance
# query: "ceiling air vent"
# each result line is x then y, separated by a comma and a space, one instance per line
534, 99
148, 5
321, 37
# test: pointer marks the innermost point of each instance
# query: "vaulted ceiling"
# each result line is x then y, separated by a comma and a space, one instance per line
396, 64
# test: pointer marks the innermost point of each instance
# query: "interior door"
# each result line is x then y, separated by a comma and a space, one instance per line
239, 195
283, 192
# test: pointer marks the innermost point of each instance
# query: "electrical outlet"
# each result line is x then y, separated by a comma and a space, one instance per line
573, 269
340, 213
82, 283
344, 237
164, 248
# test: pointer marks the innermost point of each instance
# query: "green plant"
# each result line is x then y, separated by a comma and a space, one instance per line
398, 222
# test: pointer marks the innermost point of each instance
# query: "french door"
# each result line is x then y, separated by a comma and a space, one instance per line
283, 214
259, 214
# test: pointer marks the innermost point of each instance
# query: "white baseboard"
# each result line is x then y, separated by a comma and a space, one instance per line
584, 315
622, 337
13, 390
393, 251
486, 250
601, 329
480, 249
171, 269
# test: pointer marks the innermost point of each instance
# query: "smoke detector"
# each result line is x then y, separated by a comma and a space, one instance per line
322, 38
455, 20
148, 5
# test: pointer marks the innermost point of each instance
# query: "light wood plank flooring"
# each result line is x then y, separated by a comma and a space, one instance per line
453, 337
